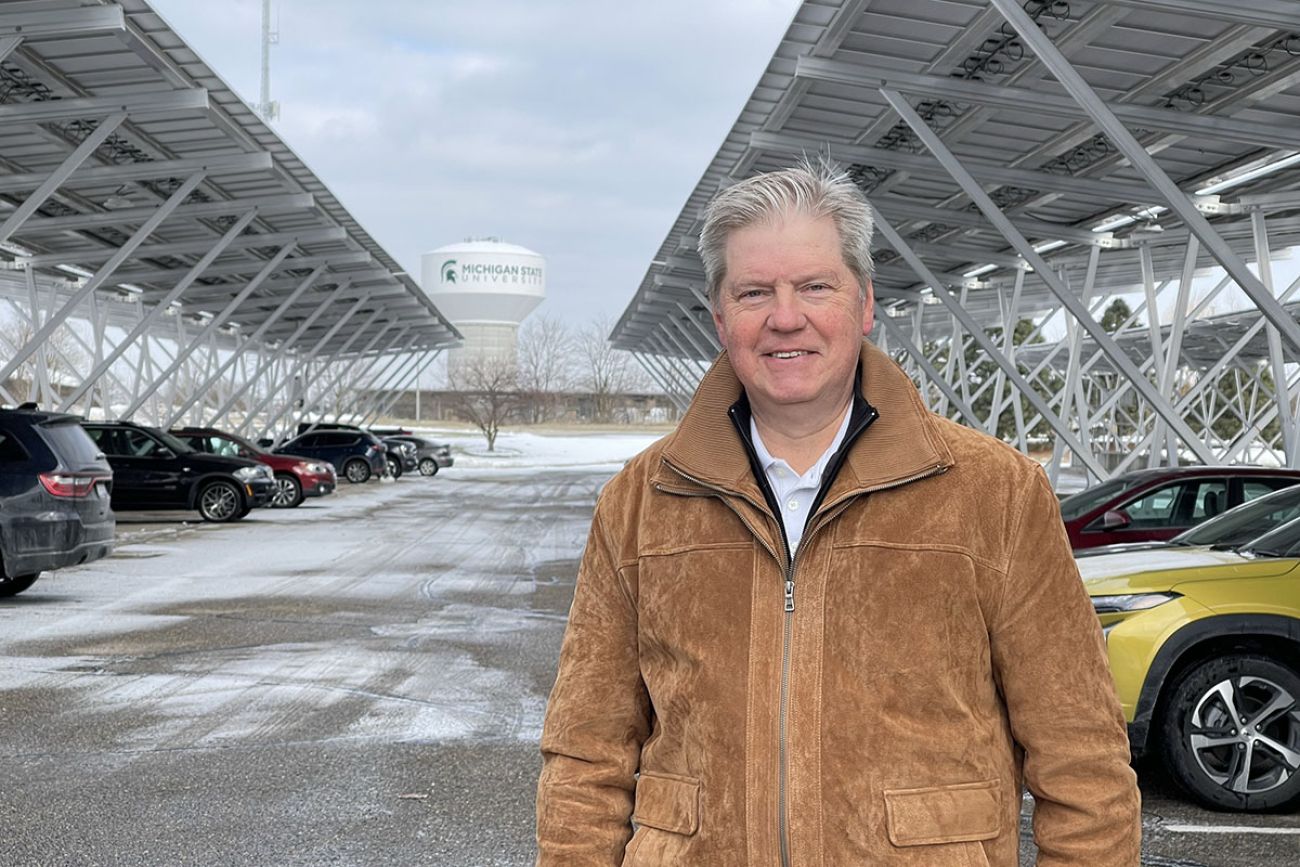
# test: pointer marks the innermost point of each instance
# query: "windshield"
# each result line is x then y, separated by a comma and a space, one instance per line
1080, 504
179, 446
245, 444
1238, 526
1282, 542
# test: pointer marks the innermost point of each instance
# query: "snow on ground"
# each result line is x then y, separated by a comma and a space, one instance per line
517, 450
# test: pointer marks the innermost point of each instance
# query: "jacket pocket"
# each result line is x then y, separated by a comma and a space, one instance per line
960, 813
668, 802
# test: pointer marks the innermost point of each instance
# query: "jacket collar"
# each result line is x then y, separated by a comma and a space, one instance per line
901, 444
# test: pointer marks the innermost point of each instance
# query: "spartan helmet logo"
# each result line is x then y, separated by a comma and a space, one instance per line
449, 271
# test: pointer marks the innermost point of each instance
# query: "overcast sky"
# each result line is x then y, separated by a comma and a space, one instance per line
573, 127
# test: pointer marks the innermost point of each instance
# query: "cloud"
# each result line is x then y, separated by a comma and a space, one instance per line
575, 128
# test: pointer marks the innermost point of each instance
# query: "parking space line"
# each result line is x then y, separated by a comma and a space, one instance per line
1227, 829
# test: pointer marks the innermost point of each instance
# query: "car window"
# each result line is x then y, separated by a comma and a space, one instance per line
306, 441
1238, 526
174, 443
11, 451
1253, 488
70, 443
222, 446
1154, 508
1273, 483
1282, 542
1080, 504
340, 438
1211, 499
138, 444
107, 439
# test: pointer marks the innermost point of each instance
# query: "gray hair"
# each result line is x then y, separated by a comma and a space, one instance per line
819, 189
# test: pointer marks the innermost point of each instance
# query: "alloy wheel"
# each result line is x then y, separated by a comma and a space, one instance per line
285, 494
1245, 734
357, 471
219, 501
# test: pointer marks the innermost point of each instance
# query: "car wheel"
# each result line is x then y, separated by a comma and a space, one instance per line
356, 471
395, 468
17, 584
1231, 733
428, 467
287, 492
220, 501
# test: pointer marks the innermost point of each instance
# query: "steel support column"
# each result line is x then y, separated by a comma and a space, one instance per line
999, 220
1146, 166
56, 319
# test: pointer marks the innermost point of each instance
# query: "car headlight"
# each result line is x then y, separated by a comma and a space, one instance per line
247, 474
313, 469
1131, 602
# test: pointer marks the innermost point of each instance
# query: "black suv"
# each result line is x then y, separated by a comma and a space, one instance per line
154, 470
54, 497
355, 454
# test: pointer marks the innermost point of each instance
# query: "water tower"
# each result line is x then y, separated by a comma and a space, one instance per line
485, 287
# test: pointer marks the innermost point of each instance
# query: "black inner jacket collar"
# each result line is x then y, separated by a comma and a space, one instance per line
861, 415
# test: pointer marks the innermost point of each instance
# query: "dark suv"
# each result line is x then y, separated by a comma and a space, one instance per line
355, 454
54, 497
1157, 504
154, 470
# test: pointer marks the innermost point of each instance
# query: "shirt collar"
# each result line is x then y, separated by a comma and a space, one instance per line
814, 473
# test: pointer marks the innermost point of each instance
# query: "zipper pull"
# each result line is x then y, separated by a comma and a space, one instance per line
789, 595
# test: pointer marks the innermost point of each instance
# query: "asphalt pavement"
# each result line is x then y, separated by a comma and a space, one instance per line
359, 681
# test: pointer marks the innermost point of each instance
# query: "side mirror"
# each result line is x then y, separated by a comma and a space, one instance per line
1115, 519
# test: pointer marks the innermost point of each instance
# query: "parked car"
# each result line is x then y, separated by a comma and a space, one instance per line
1158, 504
400, 456
55, 491
430, 456
1204, 647
154, 470
1234, 527
356, 455
296, 478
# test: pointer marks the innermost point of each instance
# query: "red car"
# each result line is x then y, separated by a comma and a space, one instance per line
296, 478
1156, 505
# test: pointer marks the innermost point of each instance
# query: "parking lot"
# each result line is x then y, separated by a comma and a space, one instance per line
360, 680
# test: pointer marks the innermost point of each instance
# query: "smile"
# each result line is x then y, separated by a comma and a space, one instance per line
794, 353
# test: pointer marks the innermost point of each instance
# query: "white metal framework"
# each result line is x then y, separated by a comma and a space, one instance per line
1028, 160
163, 254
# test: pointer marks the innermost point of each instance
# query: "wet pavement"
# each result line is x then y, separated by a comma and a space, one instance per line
358, 681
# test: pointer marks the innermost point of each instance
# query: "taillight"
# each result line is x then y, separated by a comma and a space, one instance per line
70, 484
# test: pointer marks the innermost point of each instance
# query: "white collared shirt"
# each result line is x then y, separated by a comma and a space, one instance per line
795, 493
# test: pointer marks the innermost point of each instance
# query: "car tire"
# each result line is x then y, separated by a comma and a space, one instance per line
17, 584
394, 468
287, 493
428, 467
1217, 759
220, 501
356, 471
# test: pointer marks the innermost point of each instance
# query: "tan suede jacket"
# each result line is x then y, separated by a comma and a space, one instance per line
940, 650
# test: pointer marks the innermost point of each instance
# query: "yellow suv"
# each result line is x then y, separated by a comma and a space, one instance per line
1204, 646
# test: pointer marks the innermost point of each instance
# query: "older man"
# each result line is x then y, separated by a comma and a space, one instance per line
817, 624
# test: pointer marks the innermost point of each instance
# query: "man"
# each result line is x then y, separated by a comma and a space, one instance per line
817, 624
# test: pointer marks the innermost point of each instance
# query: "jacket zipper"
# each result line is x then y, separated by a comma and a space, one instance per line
791, 559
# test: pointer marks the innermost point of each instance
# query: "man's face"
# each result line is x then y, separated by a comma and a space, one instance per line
791, 315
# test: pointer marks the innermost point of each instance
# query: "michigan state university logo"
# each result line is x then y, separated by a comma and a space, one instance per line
449, 271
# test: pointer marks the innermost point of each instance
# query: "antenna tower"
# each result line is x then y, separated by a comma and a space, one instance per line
268, 108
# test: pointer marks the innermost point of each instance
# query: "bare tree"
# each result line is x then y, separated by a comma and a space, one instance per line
62, 358
545, 353
485, 389
605, 372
